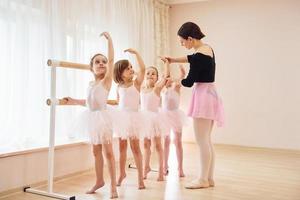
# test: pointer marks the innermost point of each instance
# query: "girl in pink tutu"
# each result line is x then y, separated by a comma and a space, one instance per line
98, 119
176, 117
205, 106
131, 126
157, 125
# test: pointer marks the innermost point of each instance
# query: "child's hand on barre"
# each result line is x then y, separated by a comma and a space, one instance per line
112, 102
68, 101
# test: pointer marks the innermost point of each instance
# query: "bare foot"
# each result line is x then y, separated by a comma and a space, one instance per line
141, 186
95, 187
160, 178
121, 178
181, 174
211, 183
114, 194
146, 171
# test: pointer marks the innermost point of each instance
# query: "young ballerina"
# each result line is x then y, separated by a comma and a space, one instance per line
150, 103
131, 127
205, 106
98, 119
176, 118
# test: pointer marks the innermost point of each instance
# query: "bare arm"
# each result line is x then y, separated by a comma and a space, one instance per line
142, 68
109, 74
176, 60
71, 101
178, 81
166, 67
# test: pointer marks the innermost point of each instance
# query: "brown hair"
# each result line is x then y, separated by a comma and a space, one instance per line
92, 60
119, 68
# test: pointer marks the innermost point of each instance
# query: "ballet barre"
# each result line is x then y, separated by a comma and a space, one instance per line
65, 64
52, 102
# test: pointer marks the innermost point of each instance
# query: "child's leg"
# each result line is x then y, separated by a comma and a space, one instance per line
202, 129
212, 163
160, 153
122, 160
137, 154
166, 156
147, 154
179, 152
109, 154
97, 151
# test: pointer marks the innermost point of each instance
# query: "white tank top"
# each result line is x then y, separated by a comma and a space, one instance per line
150, 101
170, 99
129, 98
97, 97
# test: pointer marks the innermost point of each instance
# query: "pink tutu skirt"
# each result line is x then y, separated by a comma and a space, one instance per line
206, 103
157, 124
96, 126
131, 124
176, 119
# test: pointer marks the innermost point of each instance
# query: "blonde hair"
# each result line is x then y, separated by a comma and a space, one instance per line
155, 69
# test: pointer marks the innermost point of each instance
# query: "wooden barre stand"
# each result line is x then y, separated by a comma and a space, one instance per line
65, 64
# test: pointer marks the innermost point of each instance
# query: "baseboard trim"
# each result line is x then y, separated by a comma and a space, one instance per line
14, 191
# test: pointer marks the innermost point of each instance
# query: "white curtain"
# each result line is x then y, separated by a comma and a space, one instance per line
32, 31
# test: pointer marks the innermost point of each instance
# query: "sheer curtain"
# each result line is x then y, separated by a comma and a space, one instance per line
33, 31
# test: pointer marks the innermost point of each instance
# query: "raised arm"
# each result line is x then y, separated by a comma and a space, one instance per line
142, 68
110, 65
166, 67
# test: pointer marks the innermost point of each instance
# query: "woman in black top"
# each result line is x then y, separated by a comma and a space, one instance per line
205, 106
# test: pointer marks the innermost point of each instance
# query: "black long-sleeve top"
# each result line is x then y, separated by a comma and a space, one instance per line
202, 69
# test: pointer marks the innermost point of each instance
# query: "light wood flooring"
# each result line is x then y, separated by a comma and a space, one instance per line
241, 174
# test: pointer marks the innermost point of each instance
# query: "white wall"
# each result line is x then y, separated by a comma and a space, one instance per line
31, 168
21, 170
257, 46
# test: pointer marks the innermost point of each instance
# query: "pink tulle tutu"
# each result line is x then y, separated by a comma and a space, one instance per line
95, 126
176, 119
131, 125
157, 124
206, 103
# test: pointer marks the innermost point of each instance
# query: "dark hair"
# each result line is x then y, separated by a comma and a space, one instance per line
119, 68
92, 60
190, 29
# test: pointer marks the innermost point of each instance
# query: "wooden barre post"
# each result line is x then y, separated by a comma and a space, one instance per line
65, 64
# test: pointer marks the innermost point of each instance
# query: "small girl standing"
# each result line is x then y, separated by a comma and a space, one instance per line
150, 103
98, 119
176, 117
131, 127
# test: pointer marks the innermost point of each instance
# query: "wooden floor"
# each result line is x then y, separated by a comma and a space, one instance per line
241, 174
